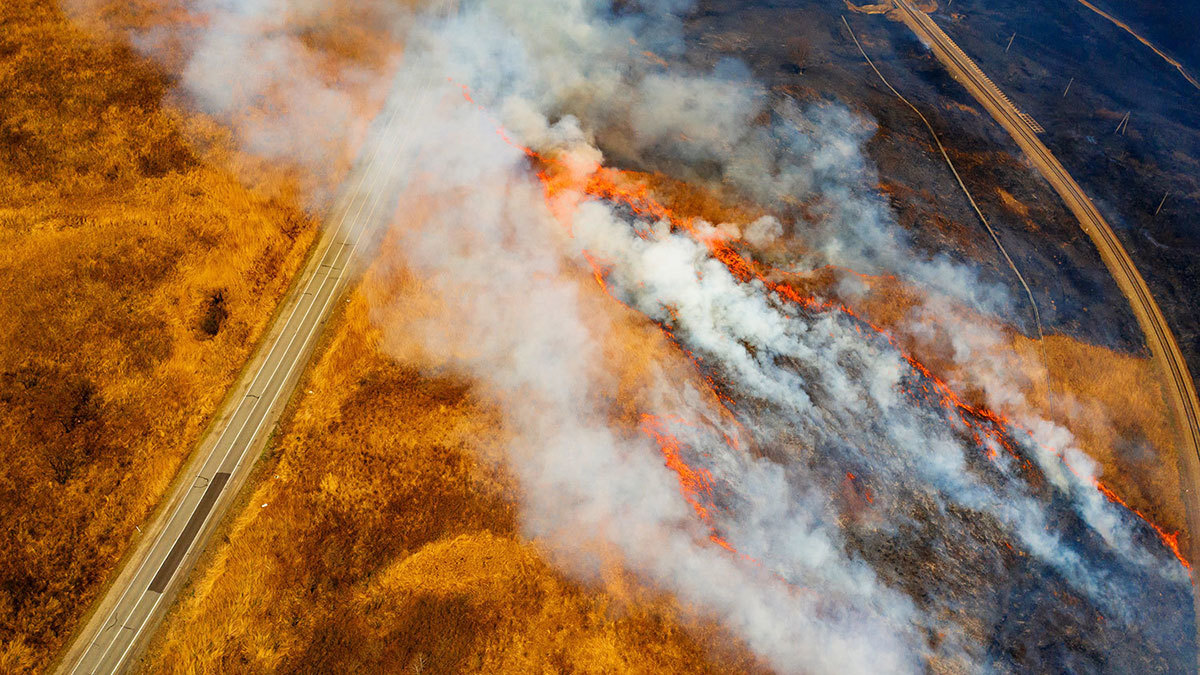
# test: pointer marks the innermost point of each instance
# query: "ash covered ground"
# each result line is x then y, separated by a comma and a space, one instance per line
799, 48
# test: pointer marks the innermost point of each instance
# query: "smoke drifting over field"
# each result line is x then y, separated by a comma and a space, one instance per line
833, 505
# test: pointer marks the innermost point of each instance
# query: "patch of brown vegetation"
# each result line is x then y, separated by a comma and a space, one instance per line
1114, 406
383, 538
955, 105
1017, 207
711, 204
1012, 203
136, 277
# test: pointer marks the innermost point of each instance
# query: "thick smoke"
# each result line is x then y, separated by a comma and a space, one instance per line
489, 246
828, 413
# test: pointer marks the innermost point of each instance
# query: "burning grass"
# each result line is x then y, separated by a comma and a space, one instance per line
1111, 402
385, 535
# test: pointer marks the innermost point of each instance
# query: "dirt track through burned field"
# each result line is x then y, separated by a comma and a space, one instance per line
1125, 27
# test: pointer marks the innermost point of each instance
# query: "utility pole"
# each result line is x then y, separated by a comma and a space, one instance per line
1010, 41
1068, 87
1160, 204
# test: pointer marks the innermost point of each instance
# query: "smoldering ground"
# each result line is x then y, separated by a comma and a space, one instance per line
877, 527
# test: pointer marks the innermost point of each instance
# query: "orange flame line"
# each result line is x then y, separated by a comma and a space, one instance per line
607, 183
603, 184
695, 484
1171, 539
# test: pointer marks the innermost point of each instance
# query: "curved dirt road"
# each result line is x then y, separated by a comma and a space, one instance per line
1181, 389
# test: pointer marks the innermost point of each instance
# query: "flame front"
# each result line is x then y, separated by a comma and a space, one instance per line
566, 187
988, 428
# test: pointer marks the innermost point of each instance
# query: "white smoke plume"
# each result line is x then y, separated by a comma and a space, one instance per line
820, 396
261, 68
495, 255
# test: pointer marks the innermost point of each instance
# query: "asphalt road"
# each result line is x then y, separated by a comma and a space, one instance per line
1180, 388
142, 591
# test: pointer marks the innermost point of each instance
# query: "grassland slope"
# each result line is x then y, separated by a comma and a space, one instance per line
136, 273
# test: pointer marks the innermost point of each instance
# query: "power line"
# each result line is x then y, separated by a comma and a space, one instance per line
1037, 316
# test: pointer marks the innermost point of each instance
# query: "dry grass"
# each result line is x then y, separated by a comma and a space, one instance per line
136, 277
379, 540
711, 204
1114, 405
1012, 203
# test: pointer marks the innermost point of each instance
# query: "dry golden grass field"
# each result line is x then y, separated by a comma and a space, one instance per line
141, 258
137, 271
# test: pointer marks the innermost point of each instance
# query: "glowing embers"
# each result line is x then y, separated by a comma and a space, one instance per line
1170, 540
696, 485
